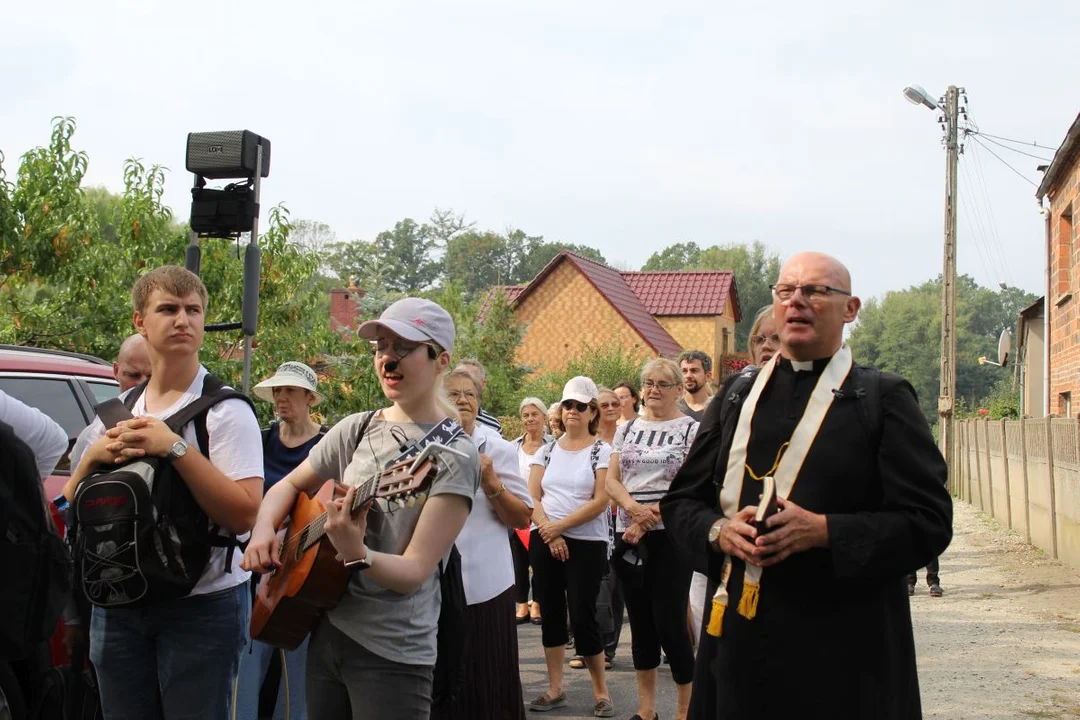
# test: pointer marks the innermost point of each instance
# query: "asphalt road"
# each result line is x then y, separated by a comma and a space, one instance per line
577, 685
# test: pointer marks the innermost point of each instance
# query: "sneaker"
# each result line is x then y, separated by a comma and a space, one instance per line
936, 591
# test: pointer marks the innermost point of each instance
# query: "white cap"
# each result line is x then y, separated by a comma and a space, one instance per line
289, 374
414, 319
579, 388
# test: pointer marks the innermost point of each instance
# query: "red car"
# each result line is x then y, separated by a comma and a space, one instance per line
65, 386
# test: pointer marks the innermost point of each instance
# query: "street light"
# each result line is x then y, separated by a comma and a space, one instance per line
917, 96
947, 391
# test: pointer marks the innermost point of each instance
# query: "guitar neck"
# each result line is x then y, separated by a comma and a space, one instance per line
316, 531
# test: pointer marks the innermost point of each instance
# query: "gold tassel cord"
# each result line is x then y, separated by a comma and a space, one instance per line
770, 471
716, 618
749, 600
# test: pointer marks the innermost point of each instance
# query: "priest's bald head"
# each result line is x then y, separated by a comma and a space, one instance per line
812, 302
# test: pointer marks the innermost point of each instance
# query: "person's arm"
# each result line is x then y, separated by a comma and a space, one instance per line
914, 523
504, 487
41, 433
644, 515
586, 513
262, 550
536, 491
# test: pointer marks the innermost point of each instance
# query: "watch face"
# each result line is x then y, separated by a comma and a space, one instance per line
179, 449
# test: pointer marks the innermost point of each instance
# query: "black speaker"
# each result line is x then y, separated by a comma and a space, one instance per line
231, 154
223, 213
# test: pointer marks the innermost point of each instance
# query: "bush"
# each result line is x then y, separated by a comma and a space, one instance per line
607, 365
512, 427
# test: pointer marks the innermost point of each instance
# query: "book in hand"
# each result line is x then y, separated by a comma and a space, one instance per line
767, 506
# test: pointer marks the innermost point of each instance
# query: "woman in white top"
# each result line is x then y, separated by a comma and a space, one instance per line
533, 416
568, 548
655, 579
492, 685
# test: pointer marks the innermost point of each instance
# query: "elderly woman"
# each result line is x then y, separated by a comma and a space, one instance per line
630, 399
568, 548
286, 443
610, 413
655, 578
492, 685
533, 413
764, 339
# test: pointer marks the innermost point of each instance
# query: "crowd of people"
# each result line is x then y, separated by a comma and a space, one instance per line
639, 499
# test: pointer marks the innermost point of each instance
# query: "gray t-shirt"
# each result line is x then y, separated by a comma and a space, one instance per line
401, 628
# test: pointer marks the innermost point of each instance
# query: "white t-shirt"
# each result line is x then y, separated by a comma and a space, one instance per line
235, 450
40, 432
487, 567
569, 482
650, 453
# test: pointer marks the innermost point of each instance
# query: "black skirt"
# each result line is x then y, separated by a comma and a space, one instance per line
492, 687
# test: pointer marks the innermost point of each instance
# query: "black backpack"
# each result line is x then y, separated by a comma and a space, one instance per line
34, 558
140, 536
452, 640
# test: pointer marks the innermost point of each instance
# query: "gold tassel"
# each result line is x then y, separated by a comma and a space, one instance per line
716, 618
748, 601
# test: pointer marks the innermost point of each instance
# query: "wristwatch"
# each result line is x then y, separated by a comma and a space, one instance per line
178, 450
362, 564
714, 534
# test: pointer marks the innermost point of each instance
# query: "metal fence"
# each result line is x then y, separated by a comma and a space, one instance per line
1025, 474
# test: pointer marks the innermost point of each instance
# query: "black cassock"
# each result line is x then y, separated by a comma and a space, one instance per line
832, 636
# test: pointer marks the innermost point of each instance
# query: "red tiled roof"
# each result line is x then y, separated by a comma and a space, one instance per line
511, 292
609, 283
686, 292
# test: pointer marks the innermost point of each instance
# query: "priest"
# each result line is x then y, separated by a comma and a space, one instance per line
807, 612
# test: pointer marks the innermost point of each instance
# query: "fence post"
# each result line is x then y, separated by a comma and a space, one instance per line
1024, 465
1005, 467
972, 450
962, 459
978, 463
1053, 490
989, 465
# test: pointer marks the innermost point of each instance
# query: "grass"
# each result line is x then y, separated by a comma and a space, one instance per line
1070, 628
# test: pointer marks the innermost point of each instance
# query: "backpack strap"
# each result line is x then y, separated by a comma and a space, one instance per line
547, 452
594, 454
362, 430
135, 394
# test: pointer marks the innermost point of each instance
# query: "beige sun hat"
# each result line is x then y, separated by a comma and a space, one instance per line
289, 374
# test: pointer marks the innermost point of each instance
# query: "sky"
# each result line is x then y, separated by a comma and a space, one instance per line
626, 126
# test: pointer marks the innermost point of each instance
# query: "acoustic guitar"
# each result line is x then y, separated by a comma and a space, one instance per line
311, 579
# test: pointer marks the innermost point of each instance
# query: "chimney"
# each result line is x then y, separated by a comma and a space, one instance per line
343, 307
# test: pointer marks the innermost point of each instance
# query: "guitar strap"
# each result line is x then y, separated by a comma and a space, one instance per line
444, 433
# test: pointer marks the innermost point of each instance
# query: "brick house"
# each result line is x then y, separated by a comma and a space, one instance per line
1061, 186
343, 307
575, 302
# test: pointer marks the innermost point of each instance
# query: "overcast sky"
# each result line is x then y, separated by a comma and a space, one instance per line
624, 125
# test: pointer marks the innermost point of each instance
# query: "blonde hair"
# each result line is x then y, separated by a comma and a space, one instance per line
662, 366
756, 327
173, 279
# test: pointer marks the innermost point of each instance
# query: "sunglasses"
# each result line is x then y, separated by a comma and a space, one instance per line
574, 405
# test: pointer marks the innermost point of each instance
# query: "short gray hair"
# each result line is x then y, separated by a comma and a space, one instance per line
477, 368
536, 403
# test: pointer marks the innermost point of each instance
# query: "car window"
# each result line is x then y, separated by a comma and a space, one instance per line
53, 396
103, 391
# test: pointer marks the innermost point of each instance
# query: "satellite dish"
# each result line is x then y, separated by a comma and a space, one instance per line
1004, 347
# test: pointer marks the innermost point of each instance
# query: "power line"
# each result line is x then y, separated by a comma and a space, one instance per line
978, 231
1004, 162
1003, 145
1016, 142
994, 235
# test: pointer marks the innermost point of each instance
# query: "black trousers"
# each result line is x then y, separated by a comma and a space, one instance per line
521, 568
931, 574
610, 609
656, 596
572, 585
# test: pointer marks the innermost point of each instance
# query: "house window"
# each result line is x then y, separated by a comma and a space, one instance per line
1066, 252
1065, 403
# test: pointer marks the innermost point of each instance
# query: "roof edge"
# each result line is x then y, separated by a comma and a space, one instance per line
1061, 159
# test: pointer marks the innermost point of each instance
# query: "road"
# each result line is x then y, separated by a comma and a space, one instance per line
1002, 644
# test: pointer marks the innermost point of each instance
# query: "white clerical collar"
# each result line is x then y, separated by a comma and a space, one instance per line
802, 365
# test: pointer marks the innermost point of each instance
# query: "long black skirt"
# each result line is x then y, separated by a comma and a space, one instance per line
492, 688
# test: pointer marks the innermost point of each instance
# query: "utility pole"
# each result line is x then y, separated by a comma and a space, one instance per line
947, 394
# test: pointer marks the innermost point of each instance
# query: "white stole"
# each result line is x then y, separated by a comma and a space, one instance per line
787, 471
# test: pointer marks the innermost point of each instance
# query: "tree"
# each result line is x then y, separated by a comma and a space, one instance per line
902, 333
680, 256
538, 253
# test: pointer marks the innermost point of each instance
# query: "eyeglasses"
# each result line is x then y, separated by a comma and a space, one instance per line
649, 385
456, 395
812, 293
574, 405
760, 340
610, 405
398, 348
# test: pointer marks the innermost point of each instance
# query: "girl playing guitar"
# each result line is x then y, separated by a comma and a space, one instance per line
373, 655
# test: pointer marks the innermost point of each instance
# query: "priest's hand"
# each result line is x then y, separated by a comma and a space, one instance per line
792, 530
737, 536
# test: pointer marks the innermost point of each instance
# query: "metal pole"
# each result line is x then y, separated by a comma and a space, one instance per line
253, 242
947, 394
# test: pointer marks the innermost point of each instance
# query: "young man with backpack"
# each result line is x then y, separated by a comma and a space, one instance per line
161, 501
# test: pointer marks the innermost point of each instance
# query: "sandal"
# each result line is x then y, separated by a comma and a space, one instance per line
577, 662
635, 716
545, 702
603, 708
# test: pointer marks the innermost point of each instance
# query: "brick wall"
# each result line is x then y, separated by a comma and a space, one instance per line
1064, 303
565, 313
343, 307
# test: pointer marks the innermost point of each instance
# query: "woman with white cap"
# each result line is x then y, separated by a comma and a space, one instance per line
569, 547
374, 654
286, 443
